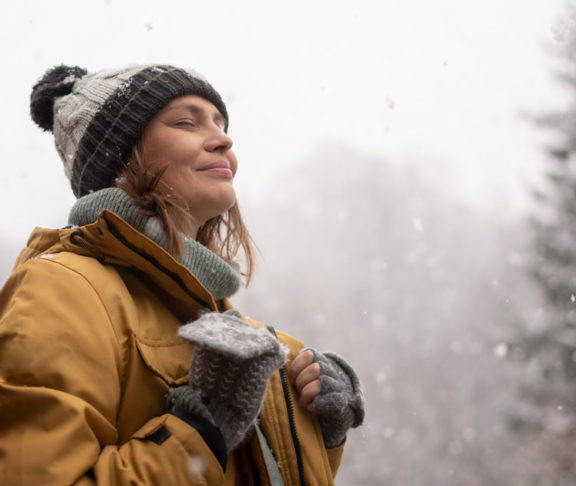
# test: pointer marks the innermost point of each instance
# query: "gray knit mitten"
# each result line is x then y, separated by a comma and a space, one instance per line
184, 402
230, 368
340, 404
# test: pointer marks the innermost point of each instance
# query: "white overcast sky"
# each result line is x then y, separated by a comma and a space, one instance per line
440, 83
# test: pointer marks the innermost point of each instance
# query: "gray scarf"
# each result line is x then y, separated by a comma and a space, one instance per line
221, 279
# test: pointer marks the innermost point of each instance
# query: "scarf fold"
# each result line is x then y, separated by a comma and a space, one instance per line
221, 279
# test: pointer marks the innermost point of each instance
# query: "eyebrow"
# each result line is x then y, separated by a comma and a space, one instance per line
197, 110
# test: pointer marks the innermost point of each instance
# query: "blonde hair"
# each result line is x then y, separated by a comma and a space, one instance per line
225, 235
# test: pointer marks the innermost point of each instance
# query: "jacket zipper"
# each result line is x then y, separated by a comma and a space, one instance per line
290, 410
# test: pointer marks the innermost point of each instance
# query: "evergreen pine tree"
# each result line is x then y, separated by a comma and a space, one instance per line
550, 347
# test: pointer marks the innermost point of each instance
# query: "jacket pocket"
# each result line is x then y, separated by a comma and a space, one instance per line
168, 360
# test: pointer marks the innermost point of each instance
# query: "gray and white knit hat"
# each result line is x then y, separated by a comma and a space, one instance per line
97, 118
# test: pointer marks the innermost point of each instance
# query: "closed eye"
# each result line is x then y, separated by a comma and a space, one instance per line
188, 123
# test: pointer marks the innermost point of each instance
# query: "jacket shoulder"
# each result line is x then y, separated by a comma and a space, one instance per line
52, 319
64, 283
34, 260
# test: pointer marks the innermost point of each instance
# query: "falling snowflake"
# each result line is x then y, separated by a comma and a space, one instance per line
196, 466
501, 350
388, 432
418, 226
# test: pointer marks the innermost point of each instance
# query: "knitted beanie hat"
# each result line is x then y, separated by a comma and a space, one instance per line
97, 118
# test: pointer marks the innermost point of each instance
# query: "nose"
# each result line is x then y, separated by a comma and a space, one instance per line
219, 141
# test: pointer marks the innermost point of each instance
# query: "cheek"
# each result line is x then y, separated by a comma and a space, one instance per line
159, 149
179, 180
234, 162
152, 156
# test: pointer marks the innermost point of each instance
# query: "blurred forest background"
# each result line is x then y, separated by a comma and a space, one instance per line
461, 322
462, 325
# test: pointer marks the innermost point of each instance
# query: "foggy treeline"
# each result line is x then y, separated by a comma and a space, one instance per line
462, 323
421, 294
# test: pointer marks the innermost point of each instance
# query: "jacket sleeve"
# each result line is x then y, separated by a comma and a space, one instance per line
60, 387
335, 458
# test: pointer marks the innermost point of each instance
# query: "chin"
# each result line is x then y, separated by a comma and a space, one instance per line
216, 206
228, 199
228, 206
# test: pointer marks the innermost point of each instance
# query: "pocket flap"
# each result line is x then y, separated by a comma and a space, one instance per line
168, 360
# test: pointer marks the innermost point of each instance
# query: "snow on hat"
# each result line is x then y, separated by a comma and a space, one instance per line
97, 118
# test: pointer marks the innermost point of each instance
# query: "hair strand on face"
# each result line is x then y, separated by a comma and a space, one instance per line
224, 234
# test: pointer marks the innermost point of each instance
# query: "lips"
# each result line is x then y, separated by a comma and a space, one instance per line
220, 168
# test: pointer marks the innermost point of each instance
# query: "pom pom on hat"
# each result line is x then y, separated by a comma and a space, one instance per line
57, 82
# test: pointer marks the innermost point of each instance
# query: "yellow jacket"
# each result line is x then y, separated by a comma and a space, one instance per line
88, 352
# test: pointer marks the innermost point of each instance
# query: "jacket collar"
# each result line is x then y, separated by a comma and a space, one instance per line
113, 241
220, 278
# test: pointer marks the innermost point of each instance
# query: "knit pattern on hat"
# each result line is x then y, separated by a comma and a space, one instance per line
97, 118
230, 368
220, 278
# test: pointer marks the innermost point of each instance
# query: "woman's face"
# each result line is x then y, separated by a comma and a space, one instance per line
187, 138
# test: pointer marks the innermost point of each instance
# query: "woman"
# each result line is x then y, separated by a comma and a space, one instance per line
121, 359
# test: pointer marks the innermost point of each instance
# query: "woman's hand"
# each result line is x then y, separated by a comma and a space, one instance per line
304, 375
